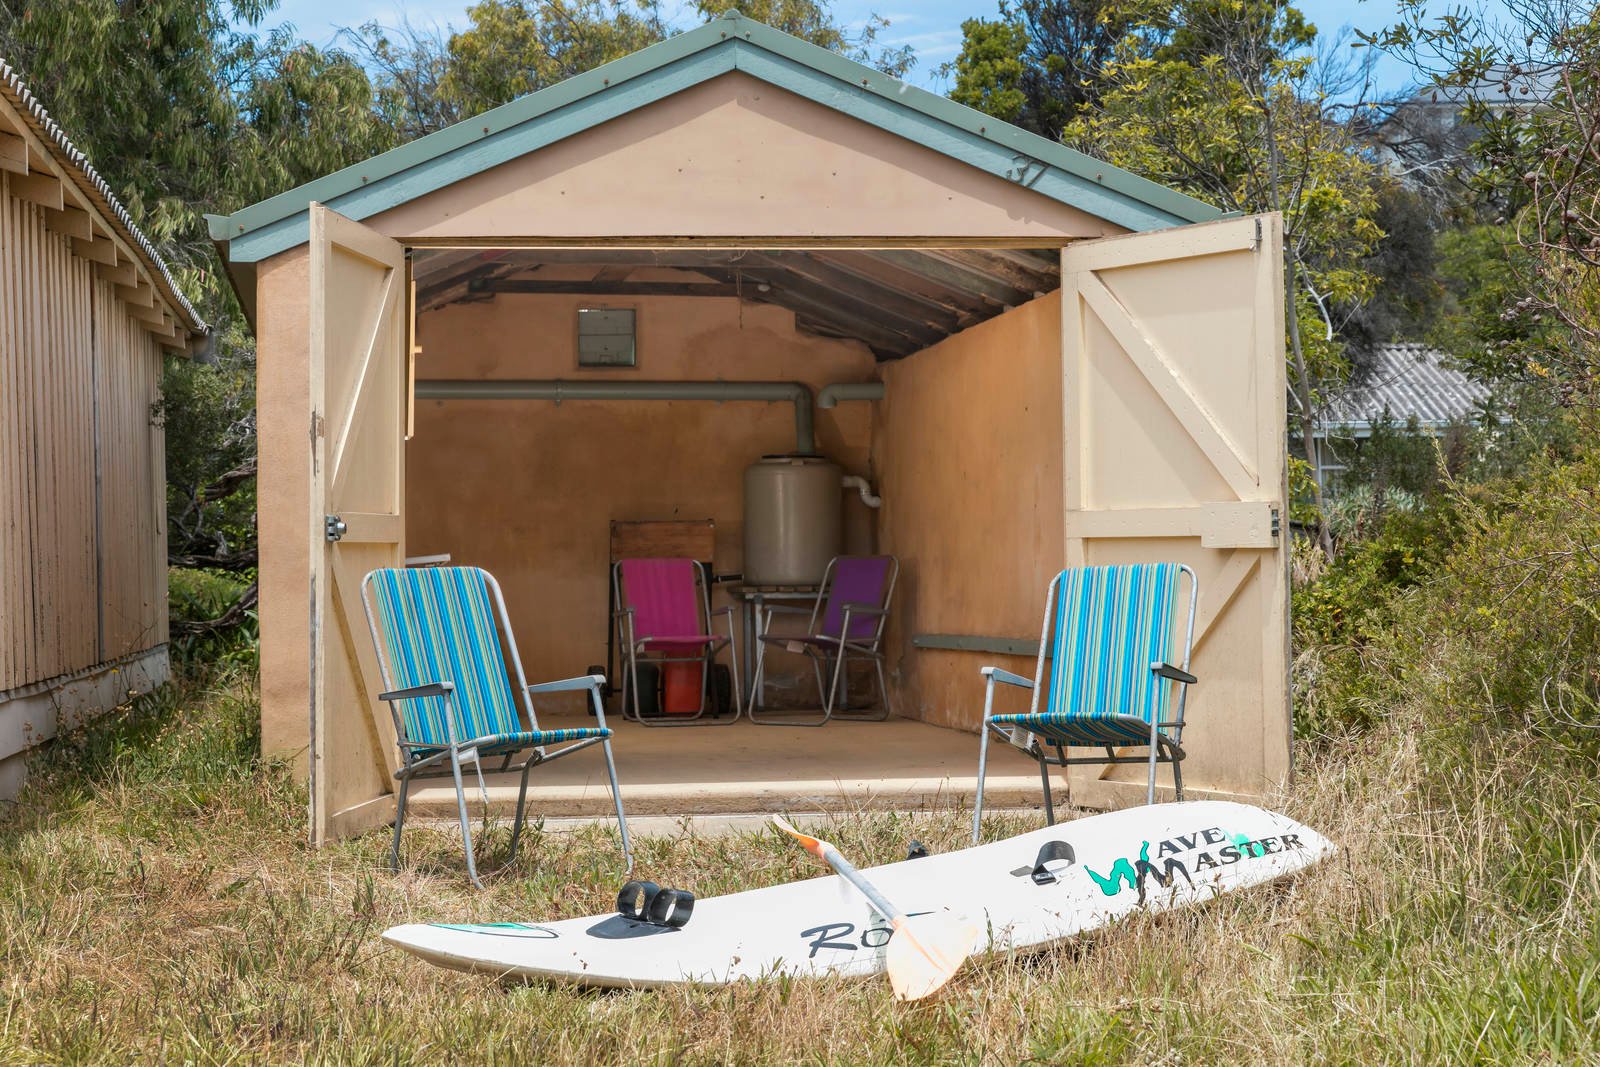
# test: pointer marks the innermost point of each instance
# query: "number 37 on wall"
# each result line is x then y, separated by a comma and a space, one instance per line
1025, 170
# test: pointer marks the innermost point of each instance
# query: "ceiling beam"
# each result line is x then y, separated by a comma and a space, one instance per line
531, 286
957, 276
899, 302
458, 285
969, 307
1027, 279
836, 303
1047, 260
865, 329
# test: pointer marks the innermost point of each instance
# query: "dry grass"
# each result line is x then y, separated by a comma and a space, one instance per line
157, 902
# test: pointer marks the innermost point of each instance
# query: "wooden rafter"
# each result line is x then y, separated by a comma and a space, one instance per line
897, 301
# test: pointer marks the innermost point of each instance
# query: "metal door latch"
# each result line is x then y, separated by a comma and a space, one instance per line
334, 526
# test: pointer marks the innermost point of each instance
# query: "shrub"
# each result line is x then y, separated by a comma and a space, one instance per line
1509, 572
213, 617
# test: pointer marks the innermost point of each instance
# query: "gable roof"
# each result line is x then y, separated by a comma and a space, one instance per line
104, 203
729, 43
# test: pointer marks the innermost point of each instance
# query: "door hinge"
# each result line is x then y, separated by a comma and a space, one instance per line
1256, 244
1277, 524
335, 528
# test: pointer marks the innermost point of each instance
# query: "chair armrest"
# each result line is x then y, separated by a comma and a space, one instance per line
1176, 674
419, 692
995, 674
865, 609
568, 685
727, 610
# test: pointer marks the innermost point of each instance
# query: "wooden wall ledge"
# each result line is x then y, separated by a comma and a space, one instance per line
1002, 646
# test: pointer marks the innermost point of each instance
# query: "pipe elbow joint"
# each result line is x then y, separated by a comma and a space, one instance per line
860, 485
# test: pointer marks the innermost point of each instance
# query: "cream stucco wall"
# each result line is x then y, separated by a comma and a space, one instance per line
736, 157
968, 447
283, 489
527, 489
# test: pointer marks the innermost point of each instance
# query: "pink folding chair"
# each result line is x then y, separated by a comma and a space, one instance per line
848, 619
663, 616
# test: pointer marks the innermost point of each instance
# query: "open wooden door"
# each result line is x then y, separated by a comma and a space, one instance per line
1175, 450
358, 314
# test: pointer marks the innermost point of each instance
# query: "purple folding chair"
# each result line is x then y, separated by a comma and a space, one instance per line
847, 619
663, 615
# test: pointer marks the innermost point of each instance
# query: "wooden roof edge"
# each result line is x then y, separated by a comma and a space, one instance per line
97, 198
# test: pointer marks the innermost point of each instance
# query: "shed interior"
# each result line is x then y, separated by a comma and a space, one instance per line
505, 470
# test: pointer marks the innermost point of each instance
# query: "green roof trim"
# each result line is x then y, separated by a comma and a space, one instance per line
732, 42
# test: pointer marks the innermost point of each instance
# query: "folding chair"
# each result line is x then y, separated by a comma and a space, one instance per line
663, 616
848, 618
439, 651
1108, 633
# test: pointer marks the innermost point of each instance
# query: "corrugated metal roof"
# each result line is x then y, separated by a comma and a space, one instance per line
1402, 382
896, 301
89, 181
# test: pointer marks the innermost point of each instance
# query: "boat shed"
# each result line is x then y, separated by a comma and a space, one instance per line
87, 309
600, 303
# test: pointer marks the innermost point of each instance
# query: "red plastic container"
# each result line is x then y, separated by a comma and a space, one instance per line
680, 688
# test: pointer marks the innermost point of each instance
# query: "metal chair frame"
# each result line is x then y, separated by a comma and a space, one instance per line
415, 764
633, 648
1165, 743
843, 646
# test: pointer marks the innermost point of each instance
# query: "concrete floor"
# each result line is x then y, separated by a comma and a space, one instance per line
899, 764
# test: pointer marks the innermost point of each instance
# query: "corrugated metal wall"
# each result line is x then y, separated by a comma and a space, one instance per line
82, 519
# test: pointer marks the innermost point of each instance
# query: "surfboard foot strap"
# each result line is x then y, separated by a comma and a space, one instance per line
647, 902
1049, 853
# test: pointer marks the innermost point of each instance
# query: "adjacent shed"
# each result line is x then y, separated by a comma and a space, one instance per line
87, 309
1036, 359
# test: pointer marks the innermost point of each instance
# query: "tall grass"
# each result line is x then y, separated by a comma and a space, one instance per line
158, 900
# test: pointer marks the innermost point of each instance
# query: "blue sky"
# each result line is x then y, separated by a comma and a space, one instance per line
932, 27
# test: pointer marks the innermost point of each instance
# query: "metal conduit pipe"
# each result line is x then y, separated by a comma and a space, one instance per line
832, 394
797, 393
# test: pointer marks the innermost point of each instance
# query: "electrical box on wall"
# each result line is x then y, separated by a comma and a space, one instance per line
606, 337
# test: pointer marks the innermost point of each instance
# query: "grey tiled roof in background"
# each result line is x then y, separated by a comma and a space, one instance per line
1405, 380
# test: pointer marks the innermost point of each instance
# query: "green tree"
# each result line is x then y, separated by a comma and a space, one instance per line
1038, 64
990, 71
1407, 292
1226, 106
184, 113
1540, 161
427, 79
814, 21
513, 47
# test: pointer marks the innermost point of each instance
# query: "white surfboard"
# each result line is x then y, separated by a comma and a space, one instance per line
1162, 856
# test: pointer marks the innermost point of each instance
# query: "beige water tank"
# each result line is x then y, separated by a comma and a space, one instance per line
792, 519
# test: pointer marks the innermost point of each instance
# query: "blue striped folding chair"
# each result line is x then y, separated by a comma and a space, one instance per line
1108, 636
438, 640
